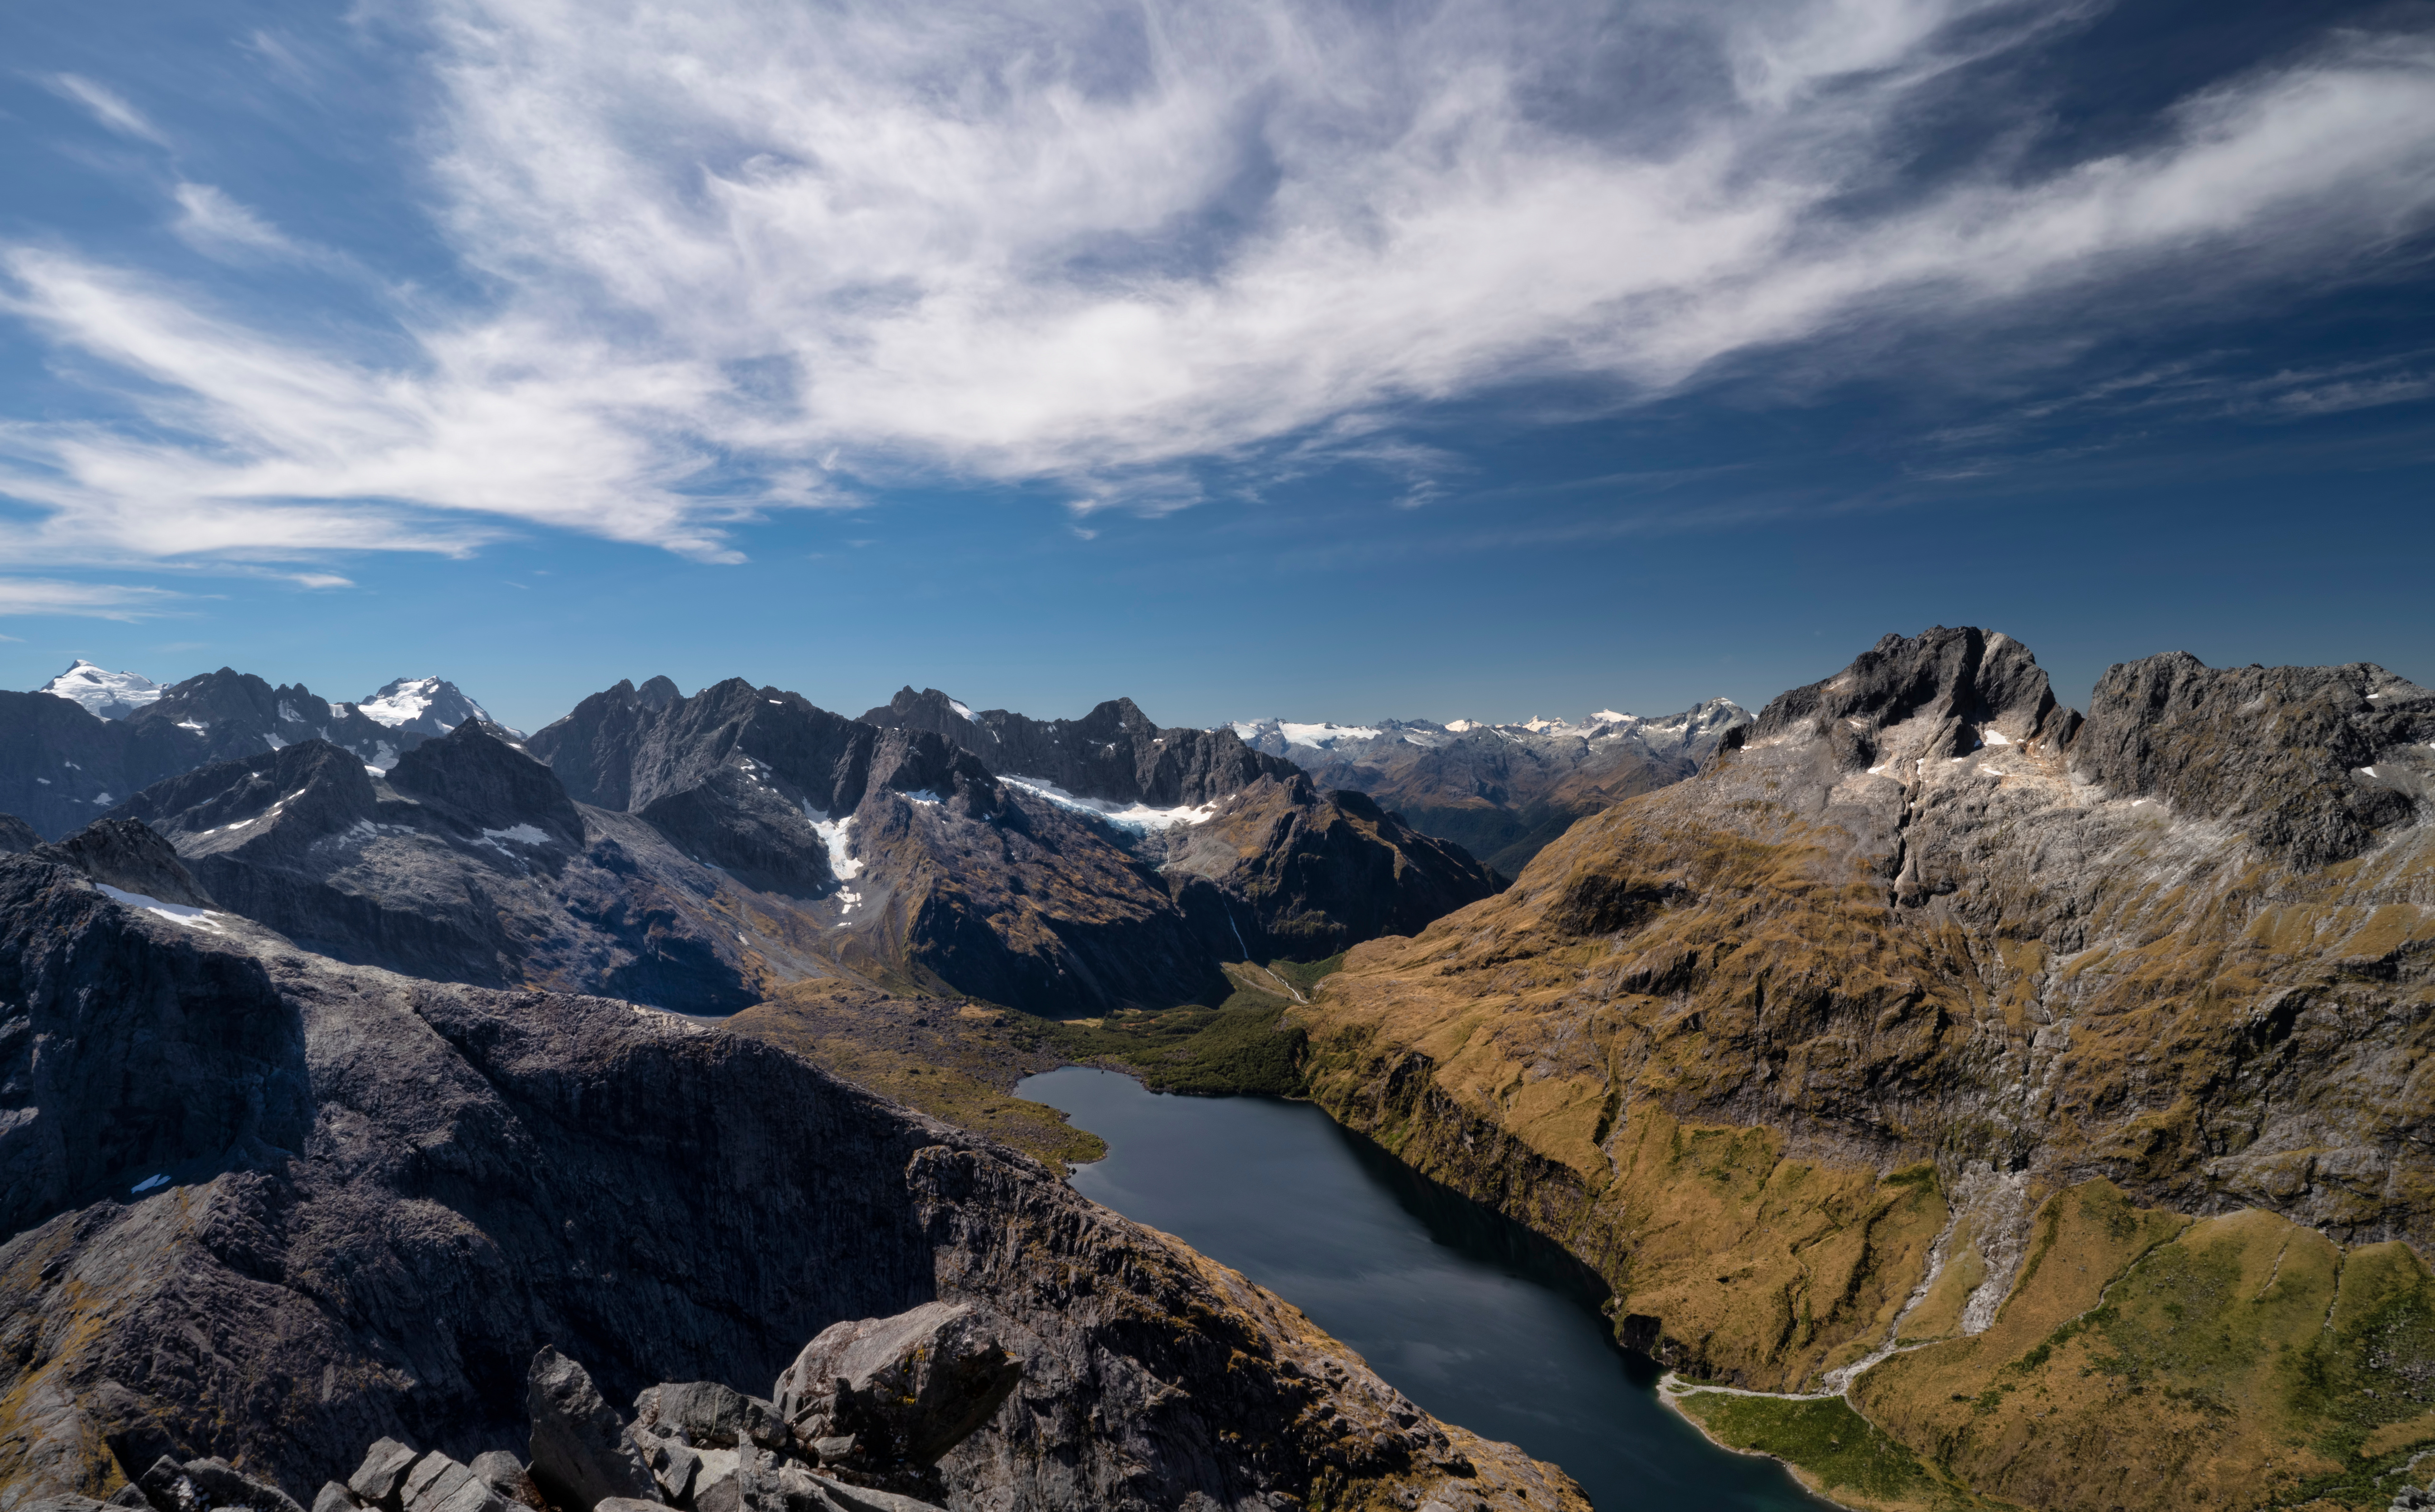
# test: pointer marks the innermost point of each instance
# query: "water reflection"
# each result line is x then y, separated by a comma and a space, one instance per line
1476, 1319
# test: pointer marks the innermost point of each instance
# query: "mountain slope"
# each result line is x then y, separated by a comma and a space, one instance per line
1501, 792
1826, 1046
269, 1206
1293, 870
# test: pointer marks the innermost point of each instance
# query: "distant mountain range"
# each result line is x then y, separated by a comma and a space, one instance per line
1501, 792
89, 738
699, 853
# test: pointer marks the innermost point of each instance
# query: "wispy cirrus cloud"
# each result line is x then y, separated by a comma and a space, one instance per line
740, 257
109, 108
106, 601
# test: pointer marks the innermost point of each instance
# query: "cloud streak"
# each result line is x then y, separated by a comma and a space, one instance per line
745, 255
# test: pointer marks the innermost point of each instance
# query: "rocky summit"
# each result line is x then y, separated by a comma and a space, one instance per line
2038, 1092
277, 1223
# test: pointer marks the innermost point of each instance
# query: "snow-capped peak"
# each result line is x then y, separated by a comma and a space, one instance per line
1608, 716
432, 706
102, 695
1321, 736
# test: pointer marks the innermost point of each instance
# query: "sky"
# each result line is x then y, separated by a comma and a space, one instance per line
1326, 361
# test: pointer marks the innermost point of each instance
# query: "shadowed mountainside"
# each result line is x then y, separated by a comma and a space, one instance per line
269, 1207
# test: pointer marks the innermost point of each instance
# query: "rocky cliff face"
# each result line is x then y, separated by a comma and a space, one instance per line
270, 1207
465, 862
1806, 1052
1502, 792
1113, 753
1263, 861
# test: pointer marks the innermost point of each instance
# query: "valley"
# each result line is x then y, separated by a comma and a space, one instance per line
1971, 1102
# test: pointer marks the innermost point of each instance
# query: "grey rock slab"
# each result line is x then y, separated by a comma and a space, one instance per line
863, 1499
380, 1478
334, 1497
433, 1480
580, 1450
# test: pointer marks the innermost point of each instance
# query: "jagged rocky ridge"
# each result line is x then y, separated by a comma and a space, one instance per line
1925, 976
1502, 792
64, 762
1293, 868
266, 1209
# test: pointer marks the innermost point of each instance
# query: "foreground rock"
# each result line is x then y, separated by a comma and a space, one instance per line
1930, 1012
272, 1208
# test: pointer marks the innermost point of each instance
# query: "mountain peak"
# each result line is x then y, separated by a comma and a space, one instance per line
428, 706
102, 693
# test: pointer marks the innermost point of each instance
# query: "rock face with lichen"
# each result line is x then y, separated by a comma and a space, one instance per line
1804, 1053
269, 1210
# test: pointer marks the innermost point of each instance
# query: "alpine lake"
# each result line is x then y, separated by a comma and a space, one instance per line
1473, 1316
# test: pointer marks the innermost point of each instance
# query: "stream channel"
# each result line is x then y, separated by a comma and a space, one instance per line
1470, 1315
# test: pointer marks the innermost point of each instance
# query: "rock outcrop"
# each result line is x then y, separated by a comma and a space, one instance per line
272, 1208
1826, 1047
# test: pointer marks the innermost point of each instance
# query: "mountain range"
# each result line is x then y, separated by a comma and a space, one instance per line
89, 739
1501, 792
1975, 1102
700, 852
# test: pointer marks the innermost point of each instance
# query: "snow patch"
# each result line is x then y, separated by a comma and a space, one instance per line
199, 727
149, 1183
1131, 816
960, 709
175, 913
833, 834
520, 833
1994, 737
1462, 726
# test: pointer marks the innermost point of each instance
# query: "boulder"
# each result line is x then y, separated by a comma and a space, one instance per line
506, 1474
581, 1454
707, 1415
334, 1497
379, 1479
168, 1488
674, 1463
908, 1389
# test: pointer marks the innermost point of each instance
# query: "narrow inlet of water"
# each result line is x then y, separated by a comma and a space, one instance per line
1470, 1315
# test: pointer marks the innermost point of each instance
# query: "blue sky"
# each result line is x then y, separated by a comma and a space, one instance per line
1326, 361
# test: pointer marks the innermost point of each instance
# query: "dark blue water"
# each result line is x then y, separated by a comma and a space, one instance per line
1476, 1318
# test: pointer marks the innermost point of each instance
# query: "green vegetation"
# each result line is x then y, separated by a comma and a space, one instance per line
1243, 1046
1842, 1452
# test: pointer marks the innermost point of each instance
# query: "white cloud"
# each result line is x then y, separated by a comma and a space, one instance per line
212, 223
1100, 244
109, 108
108, 601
